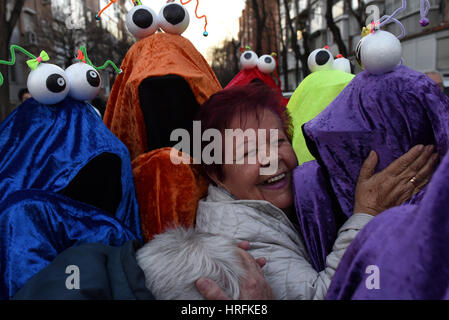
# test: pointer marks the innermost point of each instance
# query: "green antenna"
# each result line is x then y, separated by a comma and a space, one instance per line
13, 58
104, 66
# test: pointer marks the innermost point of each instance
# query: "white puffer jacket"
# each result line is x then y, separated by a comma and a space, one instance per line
273, 236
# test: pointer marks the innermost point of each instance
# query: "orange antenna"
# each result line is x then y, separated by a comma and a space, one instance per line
205, 33
98, 15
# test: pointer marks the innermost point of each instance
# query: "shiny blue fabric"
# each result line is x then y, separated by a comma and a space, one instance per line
408, 244
36, 225
44, 147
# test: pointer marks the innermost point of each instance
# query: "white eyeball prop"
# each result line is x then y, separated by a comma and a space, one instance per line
249, 59
379, 52
142, 22
174, 18
342, 64
48, 84
320, 59
84, 81
266, 64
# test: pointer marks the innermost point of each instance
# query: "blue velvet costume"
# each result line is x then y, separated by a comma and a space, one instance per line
44, 153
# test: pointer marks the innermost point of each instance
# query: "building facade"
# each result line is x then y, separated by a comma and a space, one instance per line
259, 26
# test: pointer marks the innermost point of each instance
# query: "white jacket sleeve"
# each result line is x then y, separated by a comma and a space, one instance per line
302, 281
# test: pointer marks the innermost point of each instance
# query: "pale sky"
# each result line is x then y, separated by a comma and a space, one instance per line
222, 17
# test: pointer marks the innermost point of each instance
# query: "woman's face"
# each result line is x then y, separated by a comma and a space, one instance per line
268, 160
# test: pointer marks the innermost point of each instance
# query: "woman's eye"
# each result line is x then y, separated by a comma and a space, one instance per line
142, 22
48, 84
320, 59
249, 59
174, 18
266, 64
84, 81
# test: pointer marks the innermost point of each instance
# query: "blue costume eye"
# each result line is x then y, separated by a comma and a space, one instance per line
174, 18
142, 22
55, 83
48, 84
84, 80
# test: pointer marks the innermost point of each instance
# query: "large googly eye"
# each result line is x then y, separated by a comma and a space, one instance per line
320, 59
142, 22
84, 81
48, 84
174, 18
266, 64
249, 59
379, 52
342, 64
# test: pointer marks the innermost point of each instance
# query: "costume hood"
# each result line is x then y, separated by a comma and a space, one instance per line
161, 76
247, 76
388, 113
67, 149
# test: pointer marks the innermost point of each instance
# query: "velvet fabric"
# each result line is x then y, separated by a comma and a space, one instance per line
45, 147
311, 97
408, 245
246, 76
37, 225
387, 113
168, 193
314, 209
158, 55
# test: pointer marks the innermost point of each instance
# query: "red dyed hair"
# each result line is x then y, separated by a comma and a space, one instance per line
221, 108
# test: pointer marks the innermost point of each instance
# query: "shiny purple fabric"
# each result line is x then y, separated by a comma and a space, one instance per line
314, 210
388, 113
408, 244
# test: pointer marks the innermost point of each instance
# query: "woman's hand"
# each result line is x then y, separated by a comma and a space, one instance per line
397, 183
253, 287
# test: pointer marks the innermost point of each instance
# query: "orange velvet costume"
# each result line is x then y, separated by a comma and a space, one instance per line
168, 194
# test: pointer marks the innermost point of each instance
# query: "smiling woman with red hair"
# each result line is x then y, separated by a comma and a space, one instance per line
247, 202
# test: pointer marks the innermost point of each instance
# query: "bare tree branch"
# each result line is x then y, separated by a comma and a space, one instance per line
334, 28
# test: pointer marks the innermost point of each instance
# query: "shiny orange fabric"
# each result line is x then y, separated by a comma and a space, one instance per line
168, 194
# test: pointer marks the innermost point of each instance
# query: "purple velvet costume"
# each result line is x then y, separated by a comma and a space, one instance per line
390, 114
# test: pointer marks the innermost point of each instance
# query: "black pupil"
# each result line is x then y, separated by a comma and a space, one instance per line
56, 83
267, 60
322, 57
247, 55
93, 78
142, 18
174, 14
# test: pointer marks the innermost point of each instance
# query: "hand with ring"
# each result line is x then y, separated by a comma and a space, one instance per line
399, 182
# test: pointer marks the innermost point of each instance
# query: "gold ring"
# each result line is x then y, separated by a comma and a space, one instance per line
413, 180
